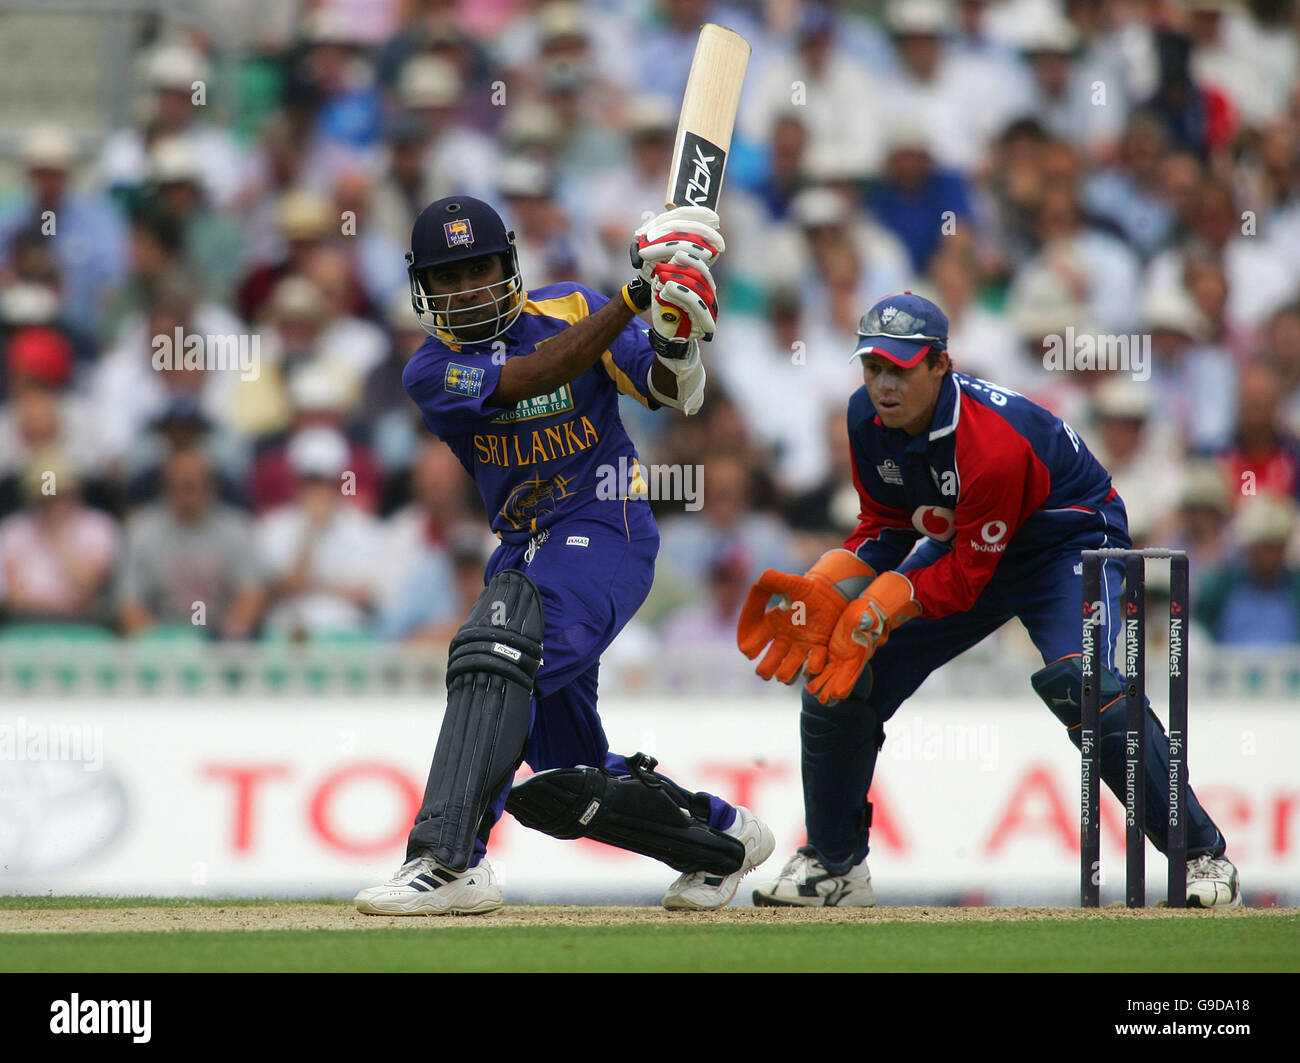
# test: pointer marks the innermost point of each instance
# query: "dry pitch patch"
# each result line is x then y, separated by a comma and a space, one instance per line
342, 916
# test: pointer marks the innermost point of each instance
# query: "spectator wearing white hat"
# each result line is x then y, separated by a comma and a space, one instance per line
86, 235
178, 83
322, 556
1255, 600
1194, 378
213, 240
1142, 454
543, 239
186, 559
457, 158
960, 101
834, 92
321, 397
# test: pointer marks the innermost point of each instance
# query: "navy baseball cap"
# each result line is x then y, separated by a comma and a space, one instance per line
903, 328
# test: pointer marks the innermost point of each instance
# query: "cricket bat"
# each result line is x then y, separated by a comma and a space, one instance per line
707, 118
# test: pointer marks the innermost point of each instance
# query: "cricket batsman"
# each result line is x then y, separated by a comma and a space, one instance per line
975, 505
523, 386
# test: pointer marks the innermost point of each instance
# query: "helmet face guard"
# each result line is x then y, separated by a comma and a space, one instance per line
503, 303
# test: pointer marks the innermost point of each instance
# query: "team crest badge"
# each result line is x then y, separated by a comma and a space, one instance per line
463, 380
887, 314
459, 232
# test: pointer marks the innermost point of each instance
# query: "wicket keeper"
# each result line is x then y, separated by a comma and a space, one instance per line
975, 505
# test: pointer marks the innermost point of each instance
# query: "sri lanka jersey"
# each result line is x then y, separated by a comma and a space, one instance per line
548, 459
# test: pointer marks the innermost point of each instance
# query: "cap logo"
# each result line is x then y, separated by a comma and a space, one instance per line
458, 232
887, 314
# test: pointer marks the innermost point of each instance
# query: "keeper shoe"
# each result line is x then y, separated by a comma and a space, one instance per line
1212, 883
804, 882
699, 891
424, 887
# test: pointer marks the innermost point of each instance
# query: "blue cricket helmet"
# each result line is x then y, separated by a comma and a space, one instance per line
454, 229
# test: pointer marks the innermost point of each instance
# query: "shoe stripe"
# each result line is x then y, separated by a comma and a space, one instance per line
443, 874
417, 884
427, 882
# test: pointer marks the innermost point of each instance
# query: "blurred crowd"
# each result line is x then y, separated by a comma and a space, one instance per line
1126, 170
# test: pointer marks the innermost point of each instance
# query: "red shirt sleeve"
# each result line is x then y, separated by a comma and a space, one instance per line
1002, 483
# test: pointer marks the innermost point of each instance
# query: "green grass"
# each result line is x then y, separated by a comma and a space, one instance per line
1266, 943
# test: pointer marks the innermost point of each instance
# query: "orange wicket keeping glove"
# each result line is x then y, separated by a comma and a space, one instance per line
863, 627
799, 627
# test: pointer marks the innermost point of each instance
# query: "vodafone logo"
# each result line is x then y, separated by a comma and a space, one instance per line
994, 531
938, 523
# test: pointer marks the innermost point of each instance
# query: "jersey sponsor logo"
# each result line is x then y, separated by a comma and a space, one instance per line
890, 472
551, 443
463, 380
938, 523
541, 406
577, 540
459, 233
993, 531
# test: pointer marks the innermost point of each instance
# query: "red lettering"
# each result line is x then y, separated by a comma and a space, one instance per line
244, 779
742, 779
409, 797
885, 829
1036, 790
1230, 809
1283, 807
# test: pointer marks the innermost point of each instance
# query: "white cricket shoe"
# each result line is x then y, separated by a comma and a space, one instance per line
804, 882
424, 887
700, 891
1212, 883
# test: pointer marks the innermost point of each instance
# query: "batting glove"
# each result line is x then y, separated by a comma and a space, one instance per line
690, 229
684, 305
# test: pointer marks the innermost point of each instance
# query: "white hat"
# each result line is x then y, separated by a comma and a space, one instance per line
315, 387
297, 297
1264, 519
918, 17
318, 451
1173, 309
174, 66
522, 176
48, 147
817, 208
427, 81
175, 159
1123, 399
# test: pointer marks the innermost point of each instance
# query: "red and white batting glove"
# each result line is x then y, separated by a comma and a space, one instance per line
684, 300
690, 229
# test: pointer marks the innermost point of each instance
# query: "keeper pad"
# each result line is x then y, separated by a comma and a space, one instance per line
491, 666
643, 813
